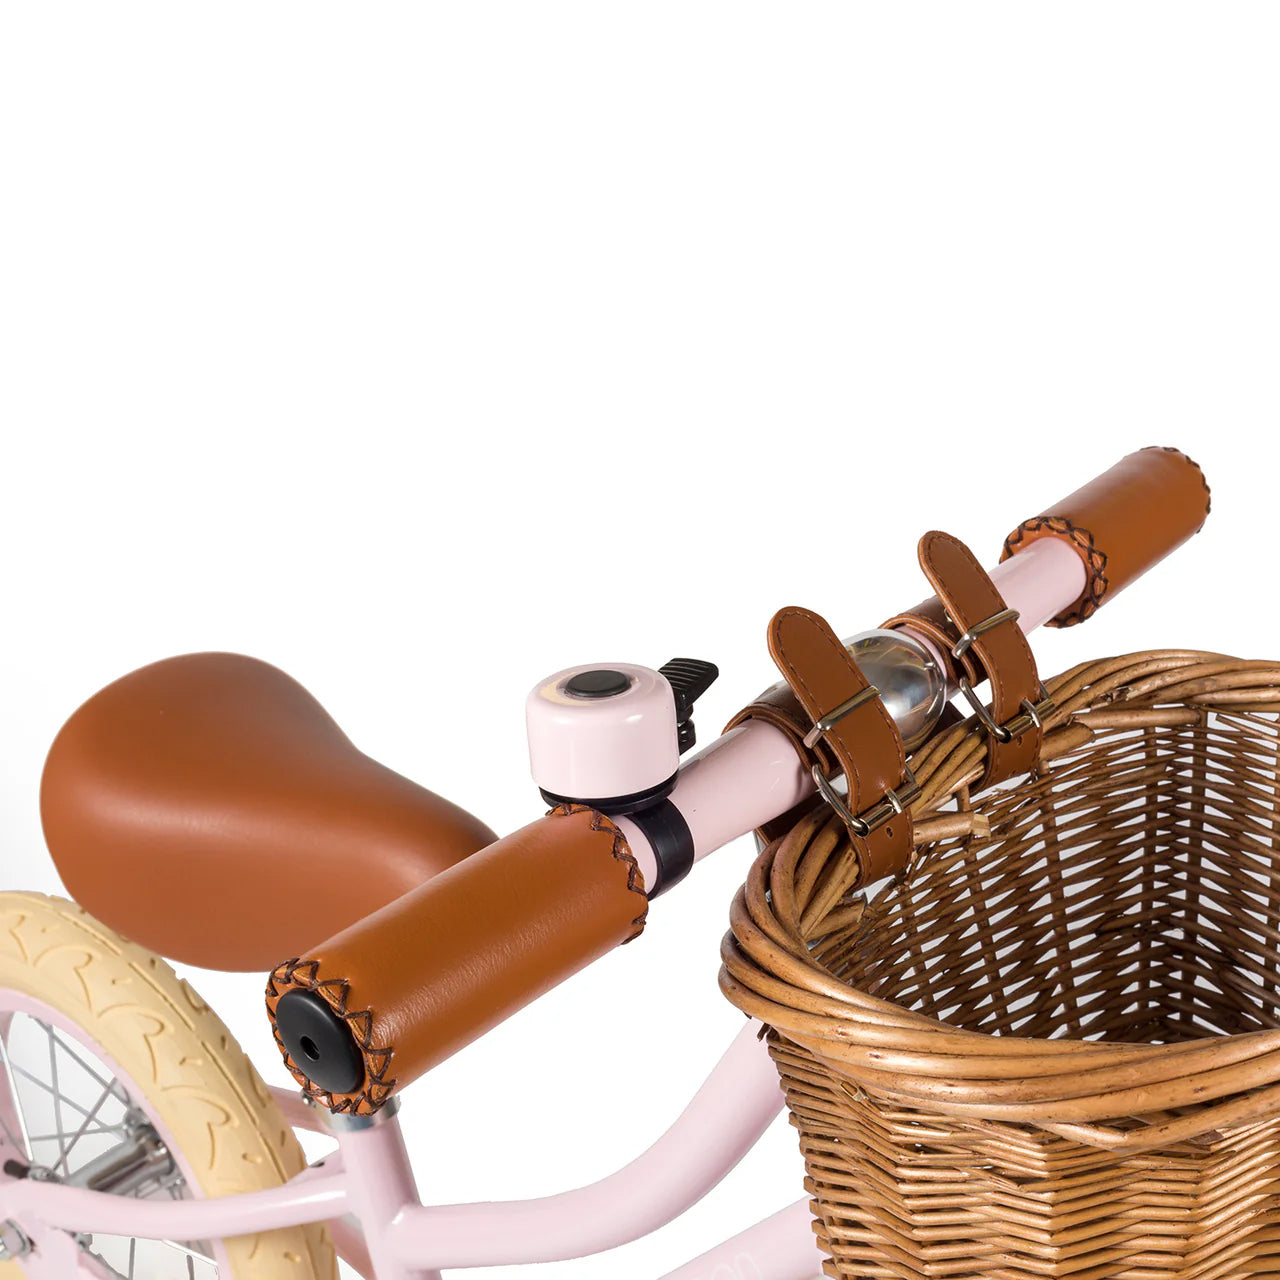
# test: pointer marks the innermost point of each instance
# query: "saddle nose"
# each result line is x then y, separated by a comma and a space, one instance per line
208, 807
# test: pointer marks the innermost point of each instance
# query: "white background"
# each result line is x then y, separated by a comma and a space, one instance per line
424, 350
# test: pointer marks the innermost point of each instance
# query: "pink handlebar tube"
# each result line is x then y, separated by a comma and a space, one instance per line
1038, 579
752, 774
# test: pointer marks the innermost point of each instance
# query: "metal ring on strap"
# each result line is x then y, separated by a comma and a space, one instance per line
1033, 713
828, 722
889, 805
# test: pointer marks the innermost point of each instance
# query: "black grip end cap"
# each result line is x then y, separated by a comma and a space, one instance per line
319, 1042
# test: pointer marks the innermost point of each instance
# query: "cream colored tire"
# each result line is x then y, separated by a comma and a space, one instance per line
184, 1067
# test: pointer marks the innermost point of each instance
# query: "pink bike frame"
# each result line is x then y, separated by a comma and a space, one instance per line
366, 1190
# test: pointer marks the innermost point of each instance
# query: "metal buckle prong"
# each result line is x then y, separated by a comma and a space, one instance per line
1033, 714
828, 722
981, 628
889, 806
997, 731
1035, 711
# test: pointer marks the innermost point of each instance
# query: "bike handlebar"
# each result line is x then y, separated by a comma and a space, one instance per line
387, 999
382, 1002
1121, 523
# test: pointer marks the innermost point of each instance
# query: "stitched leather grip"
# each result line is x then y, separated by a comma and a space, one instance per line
1122, 523
426, 975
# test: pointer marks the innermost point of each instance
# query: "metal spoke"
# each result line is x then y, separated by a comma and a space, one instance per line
99, 1131
105, 1081
57, 1091
65, 1162
35, 1080
73, 1122
25, 1144
191, 1253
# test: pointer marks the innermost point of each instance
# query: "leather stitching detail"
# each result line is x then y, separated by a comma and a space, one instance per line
335, 992
298, 974
621, 852
1208, 493
1094, 557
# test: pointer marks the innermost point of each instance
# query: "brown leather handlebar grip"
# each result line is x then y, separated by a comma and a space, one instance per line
382, 1002
1121, 524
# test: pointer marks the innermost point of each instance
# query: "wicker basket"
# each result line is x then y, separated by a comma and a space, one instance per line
1052, 1047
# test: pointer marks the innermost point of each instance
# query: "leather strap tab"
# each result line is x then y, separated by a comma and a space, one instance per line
779, 707
989, 630
930, 621
854, 732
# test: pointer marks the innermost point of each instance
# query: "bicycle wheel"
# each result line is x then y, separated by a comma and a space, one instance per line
113, 1072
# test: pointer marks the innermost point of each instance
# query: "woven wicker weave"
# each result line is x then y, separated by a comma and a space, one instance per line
1052, 1048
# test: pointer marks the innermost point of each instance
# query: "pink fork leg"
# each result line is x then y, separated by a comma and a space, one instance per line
782, 1247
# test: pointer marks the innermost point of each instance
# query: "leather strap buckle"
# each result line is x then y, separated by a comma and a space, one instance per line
1032, 714
961, 646
842, 727
888, 806
828, 722
990, 646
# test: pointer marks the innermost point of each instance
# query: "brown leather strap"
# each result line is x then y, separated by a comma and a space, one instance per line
780, 707
930, 621
852, 728
988, 629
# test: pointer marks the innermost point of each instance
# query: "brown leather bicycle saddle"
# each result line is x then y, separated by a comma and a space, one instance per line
209, 808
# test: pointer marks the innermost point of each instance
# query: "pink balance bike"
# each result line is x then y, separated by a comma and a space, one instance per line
181, 802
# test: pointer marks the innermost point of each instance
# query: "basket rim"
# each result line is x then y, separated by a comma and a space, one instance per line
1067, 1084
